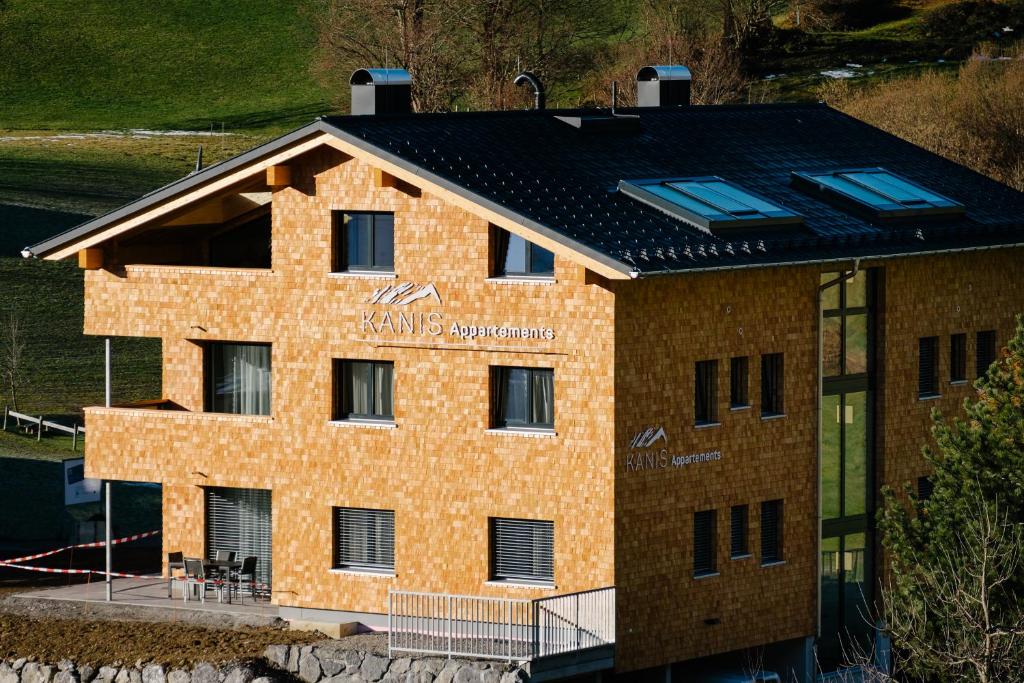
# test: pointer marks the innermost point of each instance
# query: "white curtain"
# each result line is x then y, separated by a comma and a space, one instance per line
242, 379
543, 397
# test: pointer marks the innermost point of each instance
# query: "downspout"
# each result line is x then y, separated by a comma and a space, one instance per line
843, 277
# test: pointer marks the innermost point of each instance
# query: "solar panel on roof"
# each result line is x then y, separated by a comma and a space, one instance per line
710, 203
880, 192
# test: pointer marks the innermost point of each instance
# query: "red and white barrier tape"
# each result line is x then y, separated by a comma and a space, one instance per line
94, 544
55, 570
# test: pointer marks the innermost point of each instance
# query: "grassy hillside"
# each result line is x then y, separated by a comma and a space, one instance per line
63, 367
117, 64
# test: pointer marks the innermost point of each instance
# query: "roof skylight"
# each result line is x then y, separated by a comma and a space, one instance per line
708, 202
882, 193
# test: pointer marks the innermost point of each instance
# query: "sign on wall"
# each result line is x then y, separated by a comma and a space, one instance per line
78, 489
433, 323
649, 450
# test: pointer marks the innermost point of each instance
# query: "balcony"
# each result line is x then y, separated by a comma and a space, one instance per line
179, 301
158, 441
557, 636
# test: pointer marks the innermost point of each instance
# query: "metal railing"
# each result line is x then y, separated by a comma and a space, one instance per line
500, 628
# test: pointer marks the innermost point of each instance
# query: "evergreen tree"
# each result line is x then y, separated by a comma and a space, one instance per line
953, 599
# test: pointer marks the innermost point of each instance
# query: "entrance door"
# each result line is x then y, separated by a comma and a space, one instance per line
846, 457
240, 520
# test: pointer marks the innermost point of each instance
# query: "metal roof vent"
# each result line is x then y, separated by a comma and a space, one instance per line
663, 86
381, 91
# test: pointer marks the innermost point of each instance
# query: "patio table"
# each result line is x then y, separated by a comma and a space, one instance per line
223, 569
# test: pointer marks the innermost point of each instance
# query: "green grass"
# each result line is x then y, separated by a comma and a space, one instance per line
63, 367
117, 64
95, 175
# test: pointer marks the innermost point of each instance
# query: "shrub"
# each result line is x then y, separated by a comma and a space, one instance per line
974, 117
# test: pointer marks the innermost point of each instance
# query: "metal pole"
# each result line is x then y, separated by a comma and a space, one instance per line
107, 367
110, 537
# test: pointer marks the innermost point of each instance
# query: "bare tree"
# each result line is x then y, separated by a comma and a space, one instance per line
420, 36
960, 632
12, 355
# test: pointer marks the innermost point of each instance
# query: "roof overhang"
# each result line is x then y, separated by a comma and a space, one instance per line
219, 177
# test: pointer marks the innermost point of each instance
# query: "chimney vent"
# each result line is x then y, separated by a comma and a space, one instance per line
381, 91
663, 86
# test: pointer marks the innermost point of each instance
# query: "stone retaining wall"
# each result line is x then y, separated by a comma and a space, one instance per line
325, 663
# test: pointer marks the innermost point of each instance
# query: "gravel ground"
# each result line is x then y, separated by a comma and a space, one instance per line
52, 630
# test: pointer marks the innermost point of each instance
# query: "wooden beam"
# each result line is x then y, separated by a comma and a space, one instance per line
279, 176
183, 200
382, 178
90, 259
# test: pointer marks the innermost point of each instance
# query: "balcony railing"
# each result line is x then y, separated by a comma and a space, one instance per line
500, 628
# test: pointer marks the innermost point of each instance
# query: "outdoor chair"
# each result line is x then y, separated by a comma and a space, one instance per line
245, 576
225, 555
195, 577
175, 561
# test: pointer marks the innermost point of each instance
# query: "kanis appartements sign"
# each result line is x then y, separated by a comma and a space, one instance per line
409, 322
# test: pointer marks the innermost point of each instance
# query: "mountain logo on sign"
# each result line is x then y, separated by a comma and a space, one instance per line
403, 294
648, 437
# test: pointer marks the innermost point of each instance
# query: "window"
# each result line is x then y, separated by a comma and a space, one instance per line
928, 367
772, 384
738, 523
924, 488
517, 257
522, 550
706, 392
363, 390
771, 531
364, 241
523, 398
739, 382
704, 551
958, 358
877, 191
708, 202
364, 539
985, 351
237, 378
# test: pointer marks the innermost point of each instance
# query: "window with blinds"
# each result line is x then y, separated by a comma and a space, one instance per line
705, 403
364, 539
739, 382
772, 384
958, 358
985, 351
522, 550
239, 520
739, 547
771, 531
704, 551
928, 367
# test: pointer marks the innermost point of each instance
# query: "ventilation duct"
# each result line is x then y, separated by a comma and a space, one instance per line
381, 91
663, 86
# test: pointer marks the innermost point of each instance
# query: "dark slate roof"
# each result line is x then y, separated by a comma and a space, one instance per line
543, 169
561, 181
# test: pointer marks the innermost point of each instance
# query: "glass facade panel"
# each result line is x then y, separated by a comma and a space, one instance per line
384, 241
856, 344
360, 240
831, 450
542, 261
830, 586
856, 618
855, 453
517, 402
515, 256
857, 291
832, 346
829, 296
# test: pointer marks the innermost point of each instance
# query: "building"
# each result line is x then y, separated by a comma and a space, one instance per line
676, 350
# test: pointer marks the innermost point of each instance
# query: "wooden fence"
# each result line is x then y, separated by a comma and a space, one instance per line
42, 425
